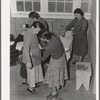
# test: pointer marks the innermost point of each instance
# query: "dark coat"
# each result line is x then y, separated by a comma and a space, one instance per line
80, 45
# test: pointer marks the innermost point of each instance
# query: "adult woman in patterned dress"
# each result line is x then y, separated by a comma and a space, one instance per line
57, 68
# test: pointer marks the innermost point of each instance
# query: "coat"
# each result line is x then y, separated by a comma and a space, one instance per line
80, 45
30, 46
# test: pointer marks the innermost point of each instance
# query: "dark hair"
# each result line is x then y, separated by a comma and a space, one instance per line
44, 34
36, 24
33, 15
27, 25
79, 11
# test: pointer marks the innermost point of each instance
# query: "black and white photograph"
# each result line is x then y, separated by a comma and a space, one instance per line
52, 50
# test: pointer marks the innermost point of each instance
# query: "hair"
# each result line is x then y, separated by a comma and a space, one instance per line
33, 15
27, 25
44, 34
79, 11
38, 24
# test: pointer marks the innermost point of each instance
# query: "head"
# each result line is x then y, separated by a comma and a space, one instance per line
44, 35
33, 16
37, 26
25, 26
78, 13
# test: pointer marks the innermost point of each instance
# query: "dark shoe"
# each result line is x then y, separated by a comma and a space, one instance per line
32, 91
53, 96
24, 83
50, 96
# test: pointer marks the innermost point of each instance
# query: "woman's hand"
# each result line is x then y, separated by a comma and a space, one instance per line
40, 46
29, 65
63, 34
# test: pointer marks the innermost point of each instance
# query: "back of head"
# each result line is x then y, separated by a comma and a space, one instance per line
33, 15
44, 34
79, 11
38, 24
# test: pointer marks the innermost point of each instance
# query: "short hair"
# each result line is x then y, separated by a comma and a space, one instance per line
38, 24
79, 11
44, 34
33, 15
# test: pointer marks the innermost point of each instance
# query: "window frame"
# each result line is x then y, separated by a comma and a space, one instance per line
44, 10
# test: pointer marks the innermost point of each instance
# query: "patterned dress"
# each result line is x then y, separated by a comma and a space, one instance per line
57, 68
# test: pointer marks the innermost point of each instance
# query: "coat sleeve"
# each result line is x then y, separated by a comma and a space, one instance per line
26, 49
70, 25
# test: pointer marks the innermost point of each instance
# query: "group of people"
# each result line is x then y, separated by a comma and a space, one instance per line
38, 39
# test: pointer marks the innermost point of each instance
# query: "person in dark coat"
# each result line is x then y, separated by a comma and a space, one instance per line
79, 26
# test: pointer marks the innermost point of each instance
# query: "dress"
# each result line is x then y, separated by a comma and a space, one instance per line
80, 45
35, 74
57, 67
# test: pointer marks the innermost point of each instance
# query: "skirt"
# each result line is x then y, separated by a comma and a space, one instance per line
56, 72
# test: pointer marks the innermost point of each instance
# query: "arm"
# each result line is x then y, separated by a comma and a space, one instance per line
68, 27
47, 52
26, 49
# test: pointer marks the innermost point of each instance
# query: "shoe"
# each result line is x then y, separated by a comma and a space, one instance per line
24, 83
50, 96
32, 91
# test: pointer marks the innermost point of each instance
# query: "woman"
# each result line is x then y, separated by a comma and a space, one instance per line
34, 16
57, 68
34, 70
79, 26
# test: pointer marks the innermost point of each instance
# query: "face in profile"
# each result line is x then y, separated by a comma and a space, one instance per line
32, 20
36, 30
77, 15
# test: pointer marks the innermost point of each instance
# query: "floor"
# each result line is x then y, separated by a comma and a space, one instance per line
69, 92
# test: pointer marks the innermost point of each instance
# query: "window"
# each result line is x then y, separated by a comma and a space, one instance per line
28, 5
60, 6
85, 6
50, 8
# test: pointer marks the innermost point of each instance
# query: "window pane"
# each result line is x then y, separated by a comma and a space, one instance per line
60, 6
60, 0
85, 0
68, 0
28, 6
52, 0
68, 7
84, 7
20, 6
51, 6
36, 6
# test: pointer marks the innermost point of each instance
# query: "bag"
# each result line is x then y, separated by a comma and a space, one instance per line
23, 71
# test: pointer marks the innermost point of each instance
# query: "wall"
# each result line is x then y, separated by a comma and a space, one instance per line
92, 42
54, 25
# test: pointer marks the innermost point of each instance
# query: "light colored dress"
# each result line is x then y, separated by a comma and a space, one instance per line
30, 46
